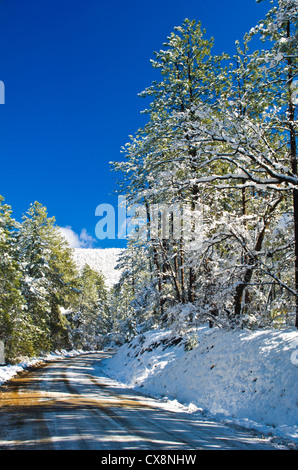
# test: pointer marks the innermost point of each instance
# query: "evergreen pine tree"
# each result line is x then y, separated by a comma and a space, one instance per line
89, 318
12, 325
48, 278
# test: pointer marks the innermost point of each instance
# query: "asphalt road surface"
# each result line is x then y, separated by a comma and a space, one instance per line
64, 405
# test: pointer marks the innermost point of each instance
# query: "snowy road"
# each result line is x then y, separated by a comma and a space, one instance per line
64, 405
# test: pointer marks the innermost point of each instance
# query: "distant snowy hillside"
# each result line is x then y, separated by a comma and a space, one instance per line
102, 260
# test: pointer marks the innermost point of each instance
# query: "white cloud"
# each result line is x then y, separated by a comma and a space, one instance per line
84, 240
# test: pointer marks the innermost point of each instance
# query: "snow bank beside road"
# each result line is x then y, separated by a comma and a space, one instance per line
246, 377
9, 371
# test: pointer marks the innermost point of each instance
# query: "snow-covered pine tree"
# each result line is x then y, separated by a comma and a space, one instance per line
89, 317
48, 278
12, 324
281, 29
161, 160
63, 287
255, 138
190, 75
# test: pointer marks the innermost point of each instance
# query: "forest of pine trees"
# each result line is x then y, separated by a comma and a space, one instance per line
220, 136
46, 303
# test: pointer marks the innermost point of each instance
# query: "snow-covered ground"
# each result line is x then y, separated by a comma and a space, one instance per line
245, 377
101, 260
7, 372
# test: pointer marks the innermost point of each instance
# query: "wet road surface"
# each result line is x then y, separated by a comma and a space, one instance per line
64, 406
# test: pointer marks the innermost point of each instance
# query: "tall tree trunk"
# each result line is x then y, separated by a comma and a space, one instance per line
159, 280
156, 262
295, 207
251, 260
293, 150
182, 271
167, 269
194, 201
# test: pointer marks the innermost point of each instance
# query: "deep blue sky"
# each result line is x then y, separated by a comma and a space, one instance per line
72, 71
